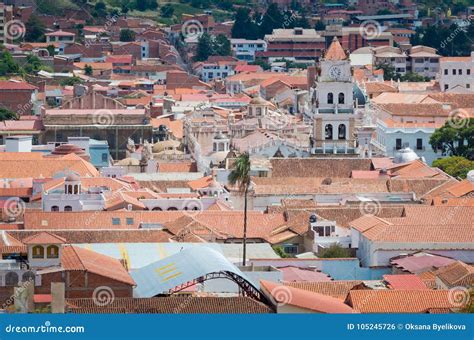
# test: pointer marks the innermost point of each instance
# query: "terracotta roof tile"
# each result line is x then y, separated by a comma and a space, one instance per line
404, 281
44, 238
399, 301
289, 295
456, 274
336, 289
77, 258
335, 51
172, 305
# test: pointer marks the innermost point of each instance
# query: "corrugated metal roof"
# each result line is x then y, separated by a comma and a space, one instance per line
184, 266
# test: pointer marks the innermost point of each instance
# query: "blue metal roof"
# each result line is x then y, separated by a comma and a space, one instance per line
184, 266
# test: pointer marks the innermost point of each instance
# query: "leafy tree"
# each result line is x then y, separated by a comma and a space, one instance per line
6, 114
52, 50
204, 47
319, 26
263, 64
335, 251
33, 64
456, 166
8, 65
88, 70
280, 252
389, 71
71, 81
240, 176
100, 10
34, 29
272, 19
384, 11
413, 77
143, 5
126, 35
167, 11
244, 27
221, 46
455, 137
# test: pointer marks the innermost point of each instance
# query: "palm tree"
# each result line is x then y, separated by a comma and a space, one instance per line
241, 176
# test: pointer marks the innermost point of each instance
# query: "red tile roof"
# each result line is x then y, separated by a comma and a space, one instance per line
15, 85
399, 301
80, 259
404, 281
335, 51
44, 238
287, 295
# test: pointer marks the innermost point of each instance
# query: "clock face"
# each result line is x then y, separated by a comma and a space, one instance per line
335, 72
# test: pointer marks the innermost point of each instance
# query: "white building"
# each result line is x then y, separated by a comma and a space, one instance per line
208, 71
456, 74
245, 49
393, 137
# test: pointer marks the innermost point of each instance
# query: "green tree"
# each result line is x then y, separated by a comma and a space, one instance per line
71, 81
100, 10
6, 114
8, 65
280, 252
244, 27
455, 137
52, 50
221, 46
413, 77
319, 26
204, 47
88, 70
34, 29
456, 166
126, 35
389, 71
272, 19
335, 251
33, 64
167, 11
240, 176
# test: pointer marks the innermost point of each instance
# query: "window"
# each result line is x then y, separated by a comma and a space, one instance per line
28, 276
468, 71
129, 220
468, 86
67, 208
115, 221
454, 72
330, 98
54, 208
446, 86
328, 131
460, 71
52, 252
38, 252
105, 157
11, 279
419, 144
341, 98
398, 143
290, 249
446, 72
342, 131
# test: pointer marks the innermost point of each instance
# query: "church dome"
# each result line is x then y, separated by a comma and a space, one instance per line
72, 177
406, 155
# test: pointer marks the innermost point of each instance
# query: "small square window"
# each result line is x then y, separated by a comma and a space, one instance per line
129, 221
115, 221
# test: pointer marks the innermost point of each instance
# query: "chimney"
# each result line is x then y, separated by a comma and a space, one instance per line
58, 294
18, 144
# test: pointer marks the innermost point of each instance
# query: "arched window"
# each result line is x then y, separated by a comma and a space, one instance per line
330, 98
341, 98
28, 276
342, 131
67, 208
259, 111
38, 252
54, 208
52, 252
172, 209
11, 279
157, 209
328, 131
